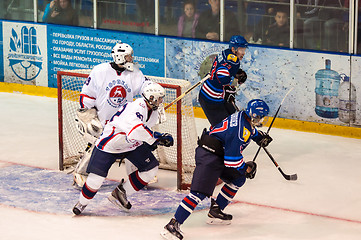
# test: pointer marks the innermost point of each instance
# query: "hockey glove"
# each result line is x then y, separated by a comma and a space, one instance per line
250, 174
241, 76
151, 147
229, 93
263, 140
163, 139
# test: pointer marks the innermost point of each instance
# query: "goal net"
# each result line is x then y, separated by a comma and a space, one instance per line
180, 123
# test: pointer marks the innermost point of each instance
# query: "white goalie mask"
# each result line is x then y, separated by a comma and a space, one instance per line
154, 93
122, 55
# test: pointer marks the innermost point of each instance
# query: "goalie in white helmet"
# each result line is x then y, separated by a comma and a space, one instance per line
128, 135
109, 86
122, 55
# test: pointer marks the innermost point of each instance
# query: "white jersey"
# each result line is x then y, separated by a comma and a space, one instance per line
107, 90
128, 128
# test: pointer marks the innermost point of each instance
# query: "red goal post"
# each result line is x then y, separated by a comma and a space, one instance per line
180, 123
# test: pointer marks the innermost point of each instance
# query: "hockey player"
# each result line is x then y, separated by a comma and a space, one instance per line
108, 87
219, 155
217, 94
123, 137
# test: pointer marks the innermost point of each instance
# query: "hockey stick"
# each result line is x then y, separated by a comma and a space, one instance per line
235, 106
292, 177
274, 118
186, 92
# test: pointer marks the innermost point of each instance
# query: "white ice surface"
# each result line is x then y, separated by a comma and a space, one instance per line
324, 203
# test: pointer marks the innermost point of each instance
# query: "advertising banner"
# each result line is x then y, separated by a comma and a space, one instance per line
319, 81
25, 53
80, 48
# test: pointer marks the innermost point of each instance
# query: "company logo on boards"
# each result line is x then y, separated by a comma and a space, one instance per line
25, 58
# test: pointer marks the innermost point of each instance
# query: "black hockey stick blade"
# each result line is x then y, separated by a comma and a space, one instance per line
292, 177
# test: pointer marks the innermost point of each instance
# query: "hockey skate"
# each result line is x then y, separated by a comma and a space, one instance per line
119, 197
172, 230
216, 216
78, 208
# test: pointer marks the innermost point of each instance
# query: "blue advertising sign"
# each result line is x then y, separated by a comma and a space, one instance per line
72, 48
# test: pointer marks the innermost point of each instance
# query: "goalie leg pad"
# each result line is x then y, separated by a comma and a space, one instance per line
80, 174
84, 161
129, 167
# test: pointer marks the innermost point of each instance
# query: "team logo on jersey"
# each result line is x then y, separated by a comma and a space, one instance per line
117, 96
232, 57
246, 134
25, 58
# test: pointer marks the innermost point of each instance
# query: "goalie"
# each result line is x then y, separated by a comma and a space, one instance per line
109, 86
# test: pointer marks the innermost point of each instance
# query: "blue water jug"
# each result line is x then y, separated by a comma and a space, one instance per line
327, 84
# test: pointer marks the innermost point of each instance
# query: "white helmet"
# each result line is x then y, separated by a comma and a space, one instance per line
119, 52
154, 93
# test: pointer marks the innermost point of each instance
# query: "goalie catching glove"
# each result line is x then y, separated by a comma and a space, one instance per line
263, 139
88, 124
163, 139
250, 174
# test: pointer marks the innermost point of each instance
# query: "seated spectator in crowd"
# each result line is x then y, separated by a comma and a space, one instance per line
146, 11
308, 12
188, 21
209, 23
278, 33
334, 38
322, 25
259, 30
60, 12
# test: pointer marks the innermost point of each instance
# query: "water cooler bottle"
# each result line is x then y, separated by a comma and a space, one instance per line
327, 84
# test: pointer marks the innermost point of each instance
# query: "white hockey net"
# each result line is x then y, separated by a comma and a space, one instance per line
180, 123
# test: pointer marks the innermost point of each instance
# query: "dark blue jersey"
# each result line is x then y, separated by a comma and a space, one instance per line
224, 68
235, 132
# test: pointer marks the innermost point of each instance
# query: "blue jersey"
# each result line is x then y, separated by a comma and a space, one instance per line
224, 68
235, 132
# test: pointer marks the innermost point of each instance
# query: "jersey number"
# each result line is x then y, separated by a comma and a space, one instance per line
140, 116
87, 81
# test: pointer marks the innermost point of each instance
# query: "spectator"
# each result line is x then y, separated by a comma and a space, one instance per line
208, 25
146, 11
188, 21
311, 25
259, 30
278, 33
320, 23
60, 12
334, 36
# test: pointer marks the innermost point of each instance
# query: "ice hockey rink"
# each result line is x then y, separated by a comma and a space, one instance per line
36, 199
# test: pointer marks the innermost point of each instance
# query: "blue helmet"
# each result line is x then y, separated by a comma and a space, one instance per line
237, 41
257, 110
